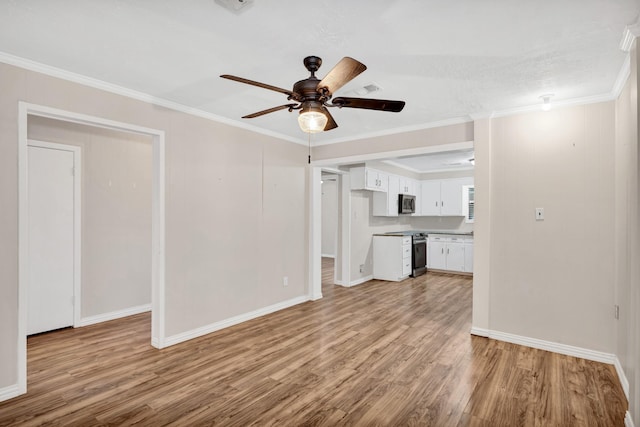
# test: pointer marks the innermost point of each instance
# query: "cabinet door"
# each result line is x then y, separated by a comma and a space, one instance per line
455, 256
468, 257
436, 255
430, 198
383, 182
451, 197
407, 186
371, 178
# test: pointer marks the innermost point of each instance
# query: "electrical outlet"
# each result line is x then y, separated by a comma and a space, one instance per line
285, 281
539, 214
616, 313
361, 268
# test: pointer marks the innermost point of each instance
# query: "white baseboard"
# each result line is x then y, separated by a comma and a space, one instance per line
316, 297
628, 421
569, 350
105, 317
204, 330
480, 332
327, 256
623, 378
10, 392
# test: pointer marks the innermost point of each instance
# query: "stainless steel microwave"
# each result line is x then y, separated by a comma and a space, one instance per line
406, 204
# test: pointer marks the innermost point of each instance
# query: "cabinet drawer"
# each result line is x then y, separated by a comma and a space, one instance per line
406, 251
406, 267
406, 240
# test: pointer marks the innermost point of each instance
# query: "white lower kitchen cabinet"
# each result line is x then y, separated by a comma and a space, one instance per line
450, 253
468, 257
391, 257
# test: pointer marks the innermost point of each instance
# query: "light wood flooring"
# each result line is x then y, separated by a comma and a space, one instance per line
380, 353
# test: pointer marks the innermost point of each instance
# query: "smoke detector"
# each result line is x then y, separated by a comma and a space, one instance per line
235, 6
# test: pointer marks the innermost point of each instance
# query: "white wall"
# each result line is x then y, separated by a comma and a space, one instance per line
236, 212
552, 279
116, 213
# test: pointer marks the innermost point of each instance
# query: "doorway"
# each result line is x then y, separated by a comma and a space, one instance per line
27, 110
315, 209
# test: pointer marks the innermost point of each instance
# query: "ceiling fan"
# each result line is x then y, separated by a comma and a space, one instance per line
313, 96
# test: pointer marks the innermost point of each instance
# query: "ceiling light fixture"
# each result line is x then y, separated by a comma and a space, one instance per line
312, 119
546, 101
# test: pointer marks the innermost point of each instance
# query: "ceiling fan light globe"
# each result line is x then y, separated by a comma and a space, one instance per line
312, 121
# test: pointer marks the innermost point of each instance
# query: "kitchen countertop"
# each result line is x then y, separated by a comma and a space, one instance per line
412, 232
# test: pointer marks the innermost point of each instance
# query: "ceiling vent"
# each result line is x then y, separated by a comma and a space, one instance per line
367, 89
235, 6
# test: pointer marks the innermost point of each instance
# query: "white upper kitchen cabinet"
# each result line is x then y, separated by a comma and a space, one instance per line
443, 197
430, 198
451, 197
364, 178
386, 204
408, 186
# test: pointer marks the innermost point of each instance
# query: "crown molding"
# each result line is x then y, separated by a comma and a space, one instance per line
129, 93
623, 76
631, 32
629, 35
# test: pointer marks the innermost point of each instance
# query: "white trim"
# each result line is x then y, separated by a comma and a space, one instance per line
10, 392
204, 330
604, 97
569, 350
133, 94
345, 219
328, 256
481, 332
622, 377
26, 109
315, 232
77, 219
629, 35
140, 96
623, 75
113, 315
628, 421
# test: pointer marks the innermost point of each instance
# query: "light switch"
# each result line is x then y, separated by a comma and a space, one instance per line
539, 214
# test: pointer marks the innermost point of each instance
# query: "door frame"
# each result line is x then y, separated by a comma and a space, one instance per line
77, 218
315, 208
25, 109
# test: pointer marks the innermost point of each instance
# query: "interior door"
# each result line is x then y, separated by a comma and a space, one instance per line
51, 239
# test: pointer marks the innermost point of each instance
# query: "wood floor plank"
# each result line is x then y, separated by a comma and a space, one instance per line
380, 353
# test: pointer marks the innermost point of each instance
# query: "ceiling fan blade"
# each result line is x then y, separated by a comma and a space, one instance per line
331, 123
344, 71
369, 104
270, 110
254, 83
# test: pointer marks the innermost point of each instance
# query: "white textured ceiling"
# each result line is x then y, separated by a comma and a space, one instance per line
447, 59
